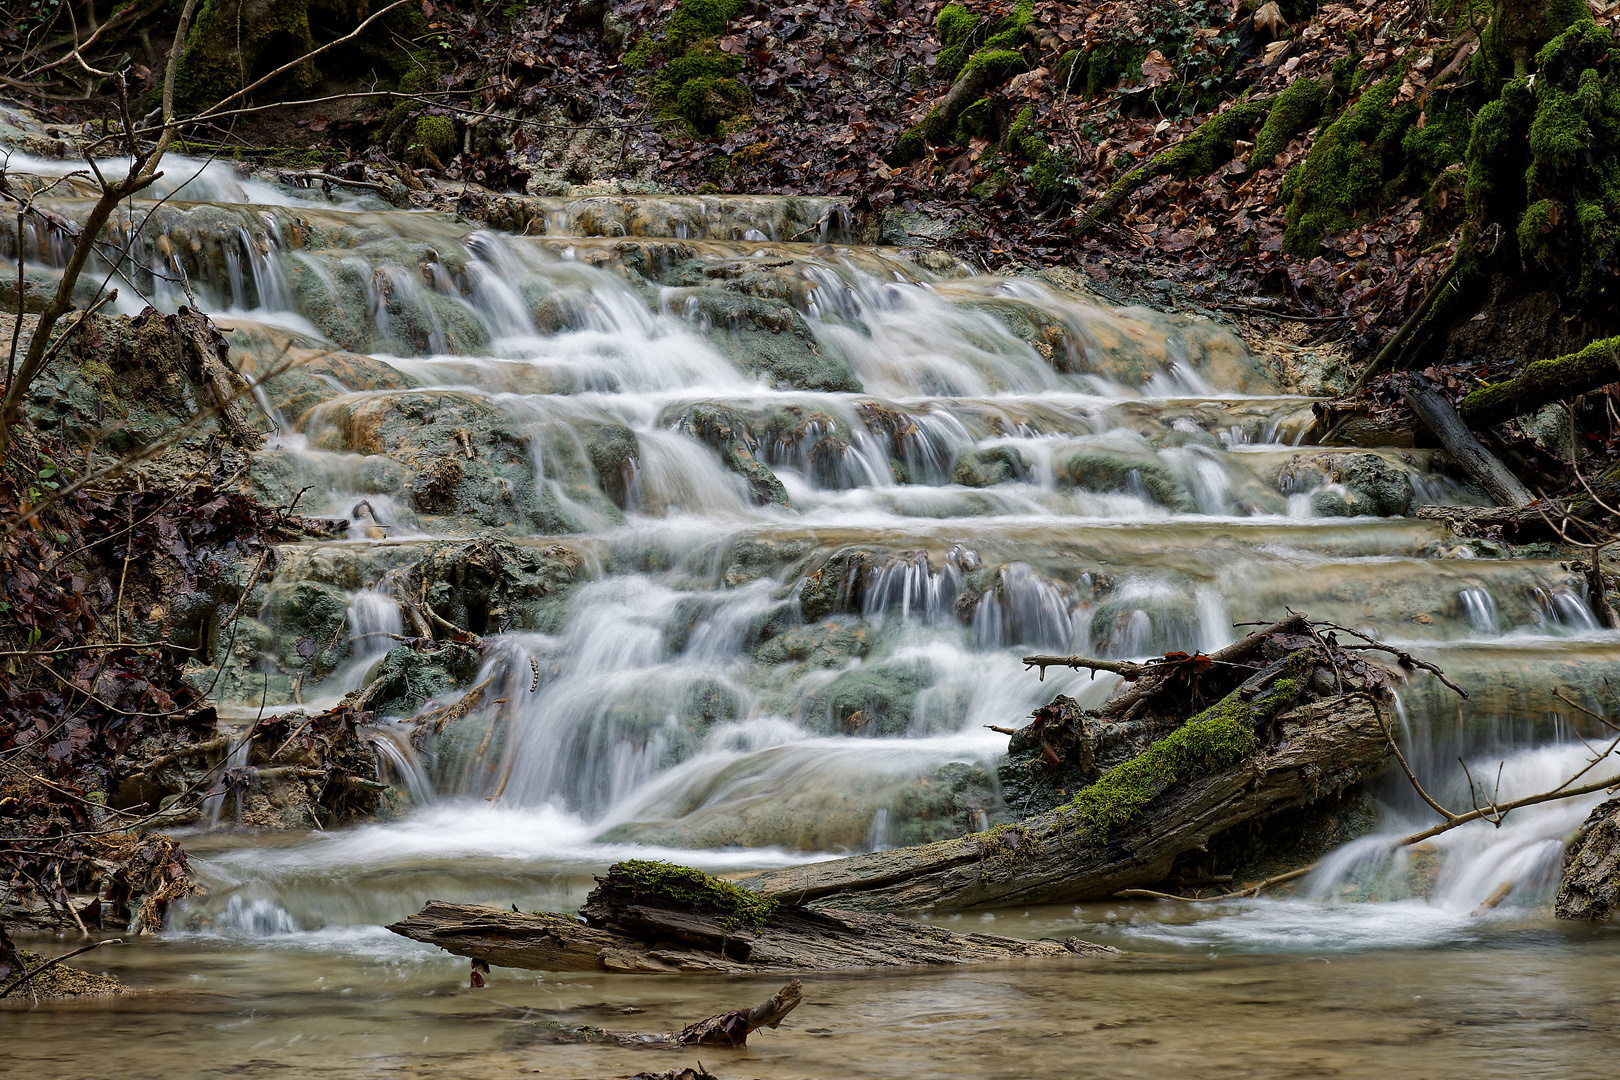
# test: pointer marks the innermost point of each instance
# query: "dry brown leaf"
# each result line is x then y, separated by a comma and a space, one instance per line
1156, 69
1029, 81
1269, 19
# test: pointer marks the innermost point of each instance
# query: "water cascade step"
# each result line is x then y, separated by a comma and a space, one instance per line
756, 517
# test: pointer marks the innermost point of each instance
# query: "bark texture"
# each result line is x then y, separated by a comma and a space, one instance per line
650, 938
1468, 452
1591, 885
1543, 383
1321, 747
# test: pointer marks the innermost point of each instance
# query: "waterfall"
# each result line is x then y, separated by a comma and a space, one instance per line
791, 513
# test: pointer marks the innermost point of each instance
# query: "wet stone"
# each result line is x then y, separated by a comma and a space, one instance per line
987, 466
872, 700
826, 645
1145, 474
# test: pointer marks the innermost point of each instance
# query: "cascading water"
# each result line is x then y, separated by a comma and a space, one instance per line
815, 503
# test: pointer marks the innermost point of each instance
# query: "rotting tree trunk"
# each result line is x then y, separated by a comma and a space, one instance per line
1543, 383
651, 931
1468, 452
1591, 885
1324, 746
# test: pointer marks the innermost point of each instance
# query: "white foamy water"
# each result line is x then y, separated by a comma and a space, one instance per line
750, 675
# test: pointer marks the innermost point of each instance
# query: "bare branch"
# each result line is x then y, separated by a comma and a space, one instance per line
28, 976
1407, 769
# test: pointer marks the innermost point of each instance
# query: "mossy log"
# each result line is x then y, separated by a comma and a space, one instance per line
1591, 885
1055, 858
984, 71
1543, 383
1206, 148
655, 918
1275, 742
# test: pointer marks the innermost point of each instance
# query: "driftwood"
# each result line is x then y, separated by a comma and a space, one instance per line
1164, 672
722, 1029
1467, 451
643, 918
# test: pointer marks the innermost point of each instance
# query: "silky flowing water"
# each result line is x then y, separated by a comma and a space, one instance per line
984, 467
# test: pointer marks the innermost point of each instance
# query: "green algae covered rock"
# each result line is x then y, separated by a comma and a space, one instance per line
770, 338
489, 585
871, 700
736, 445
467, 459
986, 466
1095, 469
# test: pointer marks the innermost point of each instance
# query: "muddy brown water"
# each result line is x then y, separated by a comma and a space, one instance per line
1517, 999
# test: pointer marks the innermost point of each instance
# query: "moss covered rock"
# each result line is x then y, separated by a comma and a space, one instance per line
688, 73
1366, 484
491, 586
1145, 474
770, 338
736, 445
466, 458
986, 466
825, 644
406, 677
873, 700
1371, 155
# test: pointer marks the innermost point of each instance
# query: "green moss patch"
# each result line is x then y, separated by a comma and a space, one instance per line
1544, 381
688, 74
963, 34
1296, 109
1544, 159
1373, 154
686, 887
1216, 738
1048, 172
435, 135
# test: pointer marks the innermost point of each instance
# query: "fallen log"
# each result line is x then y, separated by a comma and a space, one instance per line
1467, 451
1544, 382
1062, 855
1294, 718
655, 918
1307, 725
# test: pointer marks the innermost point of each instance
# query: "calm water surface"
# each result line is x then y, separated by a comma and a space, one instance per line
1194, 996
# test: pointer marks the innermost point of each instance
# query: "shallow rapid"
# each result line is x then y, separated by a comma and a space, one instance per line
790, 510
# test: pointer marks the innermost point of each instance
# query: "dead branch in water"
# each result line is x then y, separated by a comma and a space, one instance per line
722, 1029
657, 918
